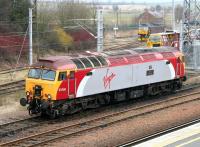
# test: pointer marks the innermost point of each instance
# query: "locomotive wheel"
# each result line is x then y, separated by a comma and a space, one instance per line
32, 111
43, 114
29, 111
23, 101
107, 99
53, 114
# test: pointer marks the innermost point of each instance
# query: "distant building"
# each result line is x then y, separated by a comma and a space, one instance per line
79, 34
150, 17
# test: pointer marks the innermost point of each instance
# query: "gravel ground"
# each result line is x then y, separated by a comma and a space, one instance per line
10, 77
135, 128
82, 117
10, 109
11, 114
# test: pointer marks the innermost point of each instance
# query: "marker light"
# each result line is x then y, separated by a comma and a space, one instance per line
27, 93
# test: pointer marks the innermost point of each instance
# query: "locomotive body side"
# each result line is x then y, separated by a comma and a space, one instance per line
126, 76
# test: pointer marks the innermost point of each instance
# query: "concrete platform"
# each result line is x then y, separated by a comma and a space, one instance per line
186, 137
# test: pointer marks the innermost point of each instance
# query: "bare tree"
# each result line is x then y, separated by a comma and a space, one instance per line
158, 8
5, 12
178, 13
93, 12
71, 10
115, 9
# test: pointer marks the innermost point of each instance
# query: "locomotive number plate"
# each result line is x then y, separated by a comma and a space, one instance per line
149, 72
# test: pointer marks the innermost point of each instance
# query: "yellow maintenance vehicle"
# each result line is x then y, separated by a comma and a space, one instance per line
144, 30
155, 40
164, 39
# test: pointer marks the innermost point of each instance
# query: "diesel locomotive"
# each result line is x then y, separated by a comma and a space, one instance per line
61, 85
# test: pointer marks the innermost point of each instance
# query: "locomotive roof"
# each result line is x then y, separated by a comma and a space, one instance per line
103, 59
55, 62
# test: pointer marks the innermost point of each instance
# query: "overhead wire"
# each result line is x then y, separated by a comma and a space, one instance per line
18, 58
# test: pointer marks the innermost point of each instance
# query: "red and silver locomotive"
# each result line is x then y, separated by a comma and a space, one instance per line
66, 84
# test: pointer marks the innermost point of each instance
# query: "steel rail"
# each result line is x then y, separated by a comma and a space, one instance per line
7, 128
12, 70
12, 87
123, 46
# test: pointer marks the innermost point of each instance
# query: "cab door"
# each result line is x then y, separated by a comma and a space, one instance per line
180, 67
71, 84
62, 85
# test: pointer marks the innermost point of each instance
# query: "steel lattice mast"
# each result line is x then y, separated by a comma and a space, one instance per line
191, 23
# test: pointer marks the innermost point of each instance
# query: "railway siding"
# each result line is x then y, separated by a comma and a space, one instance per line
12, 87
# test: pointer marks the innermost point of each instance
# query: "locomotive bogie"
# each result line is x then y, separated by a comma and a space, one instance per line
135, 93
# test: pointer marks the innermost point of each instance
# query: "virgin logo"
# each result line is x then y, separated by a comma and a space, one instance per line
108, 78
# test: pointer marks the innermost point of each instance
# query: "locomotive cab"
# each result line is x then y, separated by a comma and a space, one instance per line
47, 84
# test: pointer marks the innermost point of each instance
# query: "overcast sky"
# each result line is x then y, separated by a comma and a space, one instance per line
143, 1
138, 1
135, 1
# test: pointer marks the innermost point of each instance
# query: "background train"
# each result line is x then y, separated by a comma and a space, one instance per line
61, 85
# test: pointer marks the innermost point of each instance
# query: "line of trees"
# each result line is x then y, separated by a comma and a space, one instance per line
13, 15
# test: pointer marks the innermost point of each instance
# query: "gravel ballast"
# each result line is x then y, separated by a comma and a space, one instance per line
122, 132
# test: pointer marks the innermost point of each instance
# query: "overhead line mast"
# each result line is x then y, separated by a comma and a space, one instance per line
190, 35
30, 38
99, 30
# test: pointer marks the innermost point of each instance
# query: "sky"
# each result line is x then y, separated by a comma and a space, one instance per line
138, 1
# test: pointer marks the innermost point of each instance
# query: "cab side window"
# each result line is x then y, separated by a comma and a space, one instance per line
72, 75
62, 76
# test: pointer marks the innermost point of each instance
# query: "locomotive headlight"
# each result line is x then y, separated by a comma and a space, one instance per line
49, 97
27, 93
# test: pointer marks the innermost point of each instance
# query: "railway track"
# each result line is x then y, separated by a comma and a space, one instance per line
124, 46
103, 121
14, 127
192, 75
9, 128
12, 70
12, 87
